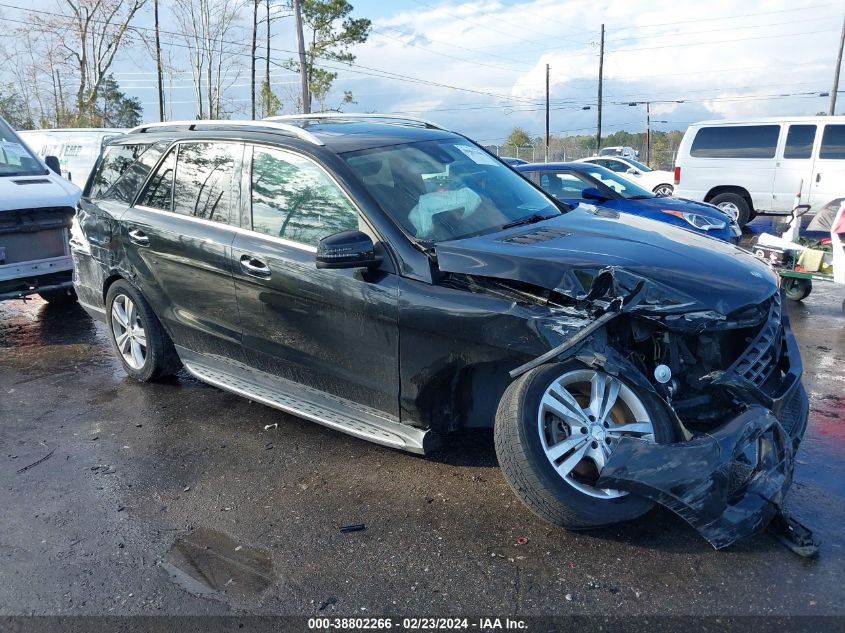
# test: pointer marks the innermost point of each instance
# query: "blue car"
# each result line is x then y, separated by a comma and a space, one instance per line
585, 182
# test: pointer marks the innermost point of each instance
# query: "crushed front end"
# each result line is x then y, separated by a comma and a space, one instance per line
734, 383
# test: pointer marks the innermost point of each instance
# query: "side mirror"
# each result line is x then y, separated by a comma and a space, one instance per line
349, 249
53, 163
631, 170
591, 193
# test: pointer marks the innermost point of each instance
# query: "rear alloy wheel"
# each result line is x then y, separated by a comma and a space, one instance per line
664, 190
797, 288
144, 348
557, 426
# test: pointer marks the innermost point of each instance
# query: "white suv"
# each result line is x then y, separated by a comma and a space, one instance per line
759, 165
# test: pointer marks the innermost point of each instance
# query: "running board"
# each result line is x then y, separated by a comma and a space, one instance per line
306, 402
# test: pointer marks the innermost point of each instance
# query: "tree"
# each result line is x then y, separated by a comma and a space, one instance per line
330, 33
90, 38
207, 28
115, 109
518, 138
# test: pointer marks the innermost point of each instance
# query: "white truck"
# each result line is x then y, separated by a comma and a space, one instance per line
76, 148
752, 166
37, 206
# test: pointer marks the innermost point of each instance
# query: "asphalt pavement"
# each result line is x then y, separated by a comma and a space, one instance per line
178, 498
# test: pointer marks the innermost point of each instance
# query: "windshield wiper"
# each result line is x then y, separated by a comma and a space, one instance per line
529, 219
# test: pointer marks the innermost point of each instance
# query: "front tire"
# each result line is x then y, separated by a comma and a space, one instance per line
143, 347
555, 427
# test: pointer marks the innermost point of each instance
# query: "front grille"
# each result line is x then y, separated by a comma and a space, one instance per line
760, 358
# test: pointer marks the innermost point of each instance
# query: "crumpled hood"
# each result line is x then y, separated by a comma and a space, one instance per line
37, 192
566, 253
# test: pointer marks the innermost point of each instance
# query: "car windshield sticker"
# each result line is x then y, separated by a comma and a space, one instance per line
479, 157
14, 149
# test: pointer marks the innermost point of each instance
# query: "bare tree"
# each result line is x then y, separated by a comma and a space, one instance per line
89, 35
209, 29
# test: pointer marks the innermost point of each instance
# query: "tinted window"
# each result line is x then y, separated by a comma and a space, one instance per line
294, 199
129, 182
613, 165
563, 184
159, 191
205, 182
833, 142
799, 141
116, 160
736, 141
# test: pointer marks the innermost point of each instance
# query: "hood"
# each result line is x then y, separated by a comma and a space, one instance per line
36, 192
680, 271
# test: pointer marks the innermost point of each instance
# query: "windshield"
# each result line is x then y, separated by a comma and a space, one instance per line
446, 190
624, 188
15, 158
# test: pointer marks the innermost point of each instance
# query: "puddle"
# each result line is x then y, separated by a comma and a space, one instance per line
210, 563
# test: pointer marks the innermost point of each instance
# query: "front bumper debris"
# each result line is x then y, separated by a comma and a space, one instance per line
727, 484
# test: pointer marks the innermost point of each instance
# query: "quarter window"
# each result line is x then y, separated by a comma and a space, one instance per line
833, 142
159, 191
116, 160
799, 141
736, 141
205, 180
294, 199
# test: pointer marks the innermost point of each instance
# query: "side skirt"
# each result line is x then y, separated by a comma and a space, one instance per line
306, 402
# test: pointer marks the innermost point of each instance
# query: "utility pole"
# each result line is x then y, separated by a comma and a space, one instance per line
547, 115
836, 71
601, 70
266, 105
158, 65
254, 48
647, 132
303, 67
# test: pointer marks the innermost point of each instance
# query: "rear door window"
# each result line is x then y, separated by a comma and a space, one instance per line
205, 185
294, 199
159, 191
563, 184
833, 142
799, 141
736, 141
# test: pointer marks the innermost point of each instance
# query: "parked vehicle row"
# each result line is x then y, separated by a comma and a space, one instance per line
395, 281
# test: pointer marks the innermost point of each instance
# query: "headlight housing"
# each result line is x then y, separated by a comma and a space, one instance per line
701, 222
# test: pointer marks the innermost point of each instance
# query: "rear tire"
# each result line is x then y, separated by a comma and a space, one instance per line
797, 288
734, 205
664, 190
141, 343
60, 296
527, 452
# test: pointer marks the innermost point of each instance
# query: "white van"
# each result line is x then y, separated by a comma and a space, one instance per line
755, 166
37, 207
76, 148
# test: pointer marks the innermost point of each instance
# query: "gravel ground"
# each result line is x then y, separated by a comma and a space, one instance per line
142, 482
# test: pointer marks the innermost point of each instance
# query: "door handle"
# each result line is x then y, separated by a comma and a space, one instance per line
138, 237
255, 267
818, 177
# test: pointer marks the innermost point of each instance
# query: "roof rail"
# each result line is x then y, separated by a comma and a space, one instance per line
292, 130
352, 116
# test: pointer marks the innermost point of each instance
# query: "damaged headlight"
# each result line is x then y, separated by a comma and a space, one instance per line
701, 222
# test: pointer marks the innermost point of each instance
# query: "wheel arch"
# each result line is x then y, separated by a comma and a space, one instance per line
740, 191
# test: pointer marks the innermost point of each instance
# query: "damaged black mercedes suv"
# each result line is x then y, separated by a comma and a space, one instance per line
395, 281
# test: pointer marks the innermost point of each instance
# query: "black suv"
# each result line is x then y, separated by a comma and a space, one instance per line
395, 281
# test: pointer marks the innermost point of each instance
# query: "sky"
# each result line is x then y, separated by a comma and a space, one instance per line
478, 66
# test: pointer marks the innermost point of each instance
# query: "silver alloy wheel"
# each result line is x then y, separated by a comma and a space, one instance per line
664, 190
582, 415
129, 335
731, 209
